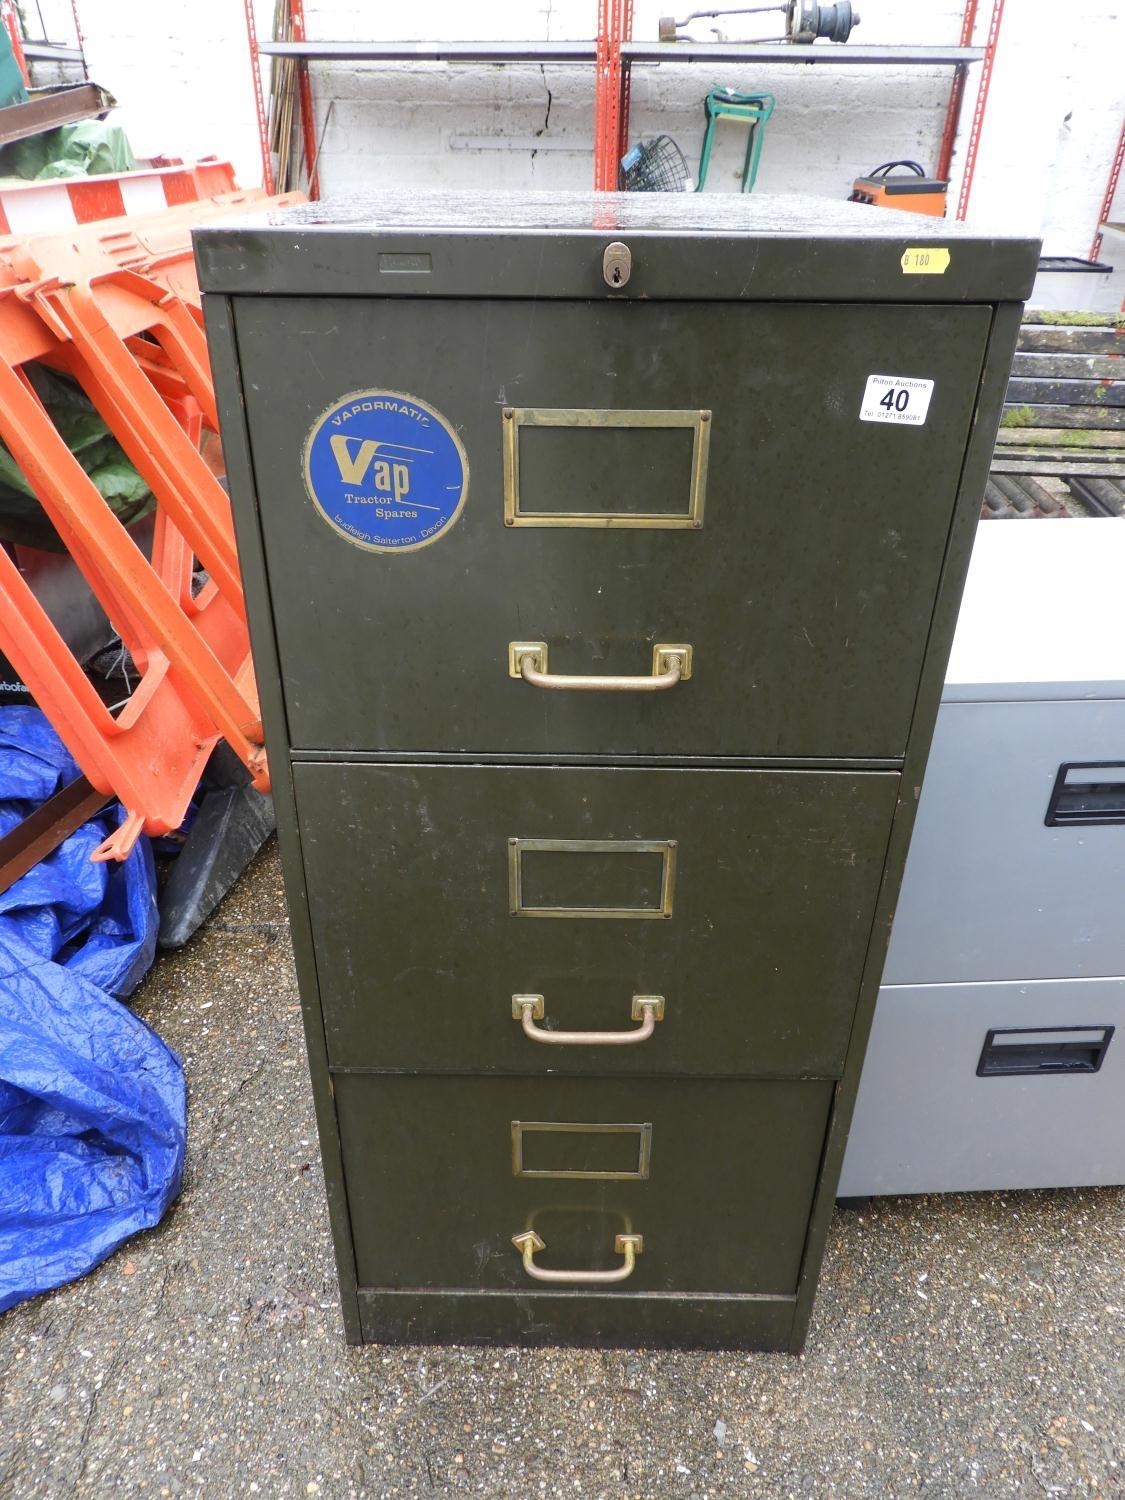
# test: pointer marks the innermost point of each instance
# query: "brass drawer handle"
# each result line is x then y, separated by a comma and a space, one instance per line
628, 1245
647, 1009
528, 659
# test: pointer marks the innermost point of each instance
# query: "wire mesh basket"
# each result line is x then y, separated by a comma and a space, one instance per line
655, 166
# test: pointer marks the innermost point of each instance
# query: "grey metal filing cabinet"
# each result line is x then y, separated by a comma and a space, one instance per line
997, 1054
602, 556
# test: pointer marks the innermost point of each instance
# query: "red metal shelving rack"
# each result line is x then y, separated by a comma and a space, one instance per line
612, 54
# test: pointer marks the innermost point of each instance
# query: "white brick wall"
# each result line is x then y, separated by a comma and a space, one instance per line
1055, 108
181, 73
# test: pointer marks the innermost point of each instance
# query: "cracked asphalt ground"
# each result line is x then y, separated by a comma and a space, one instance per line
960, 1346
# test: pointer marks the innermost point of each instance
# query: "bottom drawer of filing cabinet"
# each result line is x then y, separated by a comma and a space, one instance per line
716, 1176
995, 1085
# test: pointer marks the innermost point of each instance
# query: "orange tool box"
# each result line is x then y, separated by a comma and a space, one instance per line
912, 191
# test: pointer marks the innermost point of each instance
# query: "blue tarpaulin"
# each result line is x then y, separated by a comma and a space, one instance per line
92, 1109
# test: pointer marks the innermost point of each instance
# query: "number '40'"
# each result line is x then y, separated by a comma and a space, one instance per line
895, 400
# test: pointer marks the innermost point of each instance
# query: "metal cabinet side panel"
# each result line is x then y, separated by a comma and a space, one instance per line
925, 1123
974, 475
227, 375
990, 892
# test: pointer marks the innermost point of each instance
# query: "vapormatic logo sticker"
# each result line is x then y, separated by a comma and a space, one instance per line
386, 471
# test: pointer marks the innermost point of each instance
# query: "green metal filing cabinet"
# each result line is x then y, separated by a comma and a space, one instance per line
602, 557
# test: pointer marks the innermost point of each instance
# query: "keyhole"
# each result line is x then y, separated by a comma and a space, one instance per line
616, 265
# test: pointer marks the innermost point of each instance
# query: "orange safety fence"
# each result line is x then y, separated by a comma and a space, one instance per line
115, 306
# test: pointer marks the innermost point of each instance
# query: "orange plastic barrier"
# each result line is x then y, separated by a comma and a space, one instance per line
115, 305
31, 207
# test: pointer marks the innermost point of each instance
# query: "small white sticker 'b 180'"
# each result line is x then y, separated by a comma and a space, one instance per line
895, 398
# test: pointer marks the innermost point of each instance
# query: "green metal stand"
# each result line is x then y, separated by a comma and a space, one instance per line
749, 109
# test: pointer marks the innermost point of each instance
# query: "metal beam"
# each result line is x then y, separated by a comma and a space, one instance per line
563, 53
48, 108
56, 52
452, 52
44, 830
783, 52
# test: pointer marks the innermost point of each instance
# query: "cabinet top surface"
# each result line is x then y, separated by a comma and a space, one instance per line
686, 237
798, 214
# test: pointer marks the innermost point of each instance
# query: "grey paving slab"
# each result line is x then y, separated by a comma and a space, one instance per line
961, 1346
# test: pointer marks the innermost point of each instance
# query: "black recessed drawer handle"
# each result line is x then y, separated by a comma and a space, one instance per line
1010, 1050
1088, 792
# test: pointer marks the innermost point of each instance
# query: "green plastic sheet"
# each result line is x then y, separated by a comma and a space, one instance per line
88, 149
22, 518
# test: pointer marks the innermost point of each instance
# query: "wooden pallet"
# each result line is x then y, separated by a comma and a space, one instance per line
1065, 411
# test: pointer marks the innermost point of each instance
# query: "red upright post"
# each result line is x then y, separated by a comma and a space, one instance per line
607, 94
12, 26
1110, 193
601, 72
304, 95
259, 97
80, 38
973, 145
626, 87
956, 95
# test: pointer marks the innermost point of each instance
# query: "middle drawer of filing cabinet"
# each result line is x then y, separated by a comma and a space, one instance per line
716, 1175
743, 897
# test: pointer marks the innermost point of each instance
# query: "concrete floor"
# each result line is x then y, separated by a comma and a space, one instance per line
960, 1346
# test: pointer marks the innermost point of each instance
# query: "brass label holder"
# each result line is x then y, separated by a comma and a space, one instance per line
513, 418
665, 848
643, 1132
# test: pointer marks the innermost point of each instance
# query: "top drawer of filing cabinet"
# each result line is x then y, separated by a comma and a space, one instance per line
805, 592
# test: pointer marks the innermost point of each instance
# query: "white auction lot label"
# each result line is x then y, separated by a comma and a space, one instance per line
895, 398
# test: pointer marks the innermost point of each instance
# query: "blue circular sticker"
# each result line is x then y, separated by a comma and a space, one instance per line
386, 471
